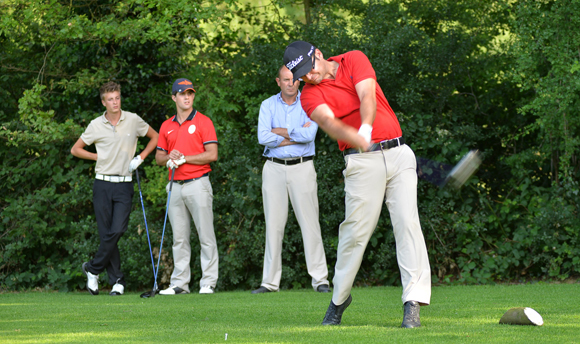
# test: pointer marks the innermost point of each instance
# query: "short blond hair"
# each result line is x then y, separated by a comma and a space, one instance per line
109, 87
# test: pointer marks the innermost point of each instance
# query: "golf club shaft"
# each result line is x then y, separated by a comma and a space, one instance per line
145, 218
164, 224
432, 171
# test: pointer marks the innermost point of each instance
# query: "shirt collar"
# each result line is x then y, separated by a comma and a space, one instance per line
105, 120
189, 118
282, 100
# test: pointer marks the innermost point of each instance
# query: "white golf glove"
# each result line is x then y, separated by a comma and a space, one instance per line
181, 161
366, 131
135, 163
171, 164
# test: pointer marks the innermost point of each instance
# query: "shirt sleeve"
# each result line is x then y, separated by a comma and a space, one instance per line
359, 66
89, 136
142, 127
208, 132
265, 135
162, 141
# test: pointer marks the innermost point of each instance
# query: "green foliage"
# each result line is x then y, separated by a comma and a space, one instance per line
497, 76
59, 53
547, 55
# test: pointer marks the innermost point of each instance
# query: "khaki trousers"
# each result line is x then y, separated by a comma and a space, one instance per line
370, 178
193, 200
299, 183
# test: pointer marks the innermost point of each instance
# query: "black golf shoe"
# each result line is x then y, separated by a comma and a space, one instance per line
334, 313
411, 316
261, 290
173, 290
323, 288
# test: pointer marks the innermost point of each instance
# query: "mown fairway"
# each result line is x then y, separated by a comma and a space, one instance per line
458, 314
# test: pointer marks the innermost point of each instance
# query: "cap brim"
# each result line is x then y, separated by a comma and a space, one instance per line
188, 88
302, 70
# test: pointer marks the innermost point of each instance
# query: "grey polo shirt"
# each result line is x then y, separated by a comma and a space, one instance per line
115, 145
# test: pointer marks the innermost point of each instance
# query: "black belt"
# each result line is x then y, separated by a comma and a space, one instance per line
291, 161
384, 145
181, 182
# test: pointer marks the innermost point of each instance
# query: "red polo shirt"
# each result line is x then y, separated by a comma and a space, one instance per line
340, 95
189, 138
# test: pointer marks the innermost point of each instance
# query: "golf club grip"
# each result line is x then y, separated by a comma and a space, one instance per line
171, 181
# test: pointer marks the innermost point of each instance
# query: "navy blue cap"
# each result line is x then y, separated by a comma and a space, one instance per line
182, 85
298, 58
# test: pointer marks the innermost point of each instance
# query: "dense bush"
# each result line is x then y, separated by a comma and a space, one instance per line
460, 75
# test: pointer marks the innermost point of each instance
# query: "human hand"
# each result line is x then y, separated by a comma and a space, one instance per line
180, 161
307, 124
135, 163
361, 144
175, 154
366, 131
171, 164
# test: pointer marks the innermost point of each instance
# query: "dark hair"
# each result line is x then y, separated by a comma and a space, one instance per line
110, 87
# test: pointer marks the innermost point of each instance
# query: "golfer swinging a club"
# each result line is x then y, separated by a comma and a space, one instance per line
188, 144
115, 135
342, 95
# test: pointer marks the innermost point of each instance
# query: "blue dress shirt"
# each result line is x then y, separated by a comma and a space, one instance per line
275, 113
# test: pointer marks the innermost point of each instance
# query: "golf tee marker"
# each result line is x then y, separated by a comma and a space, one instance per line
522, 316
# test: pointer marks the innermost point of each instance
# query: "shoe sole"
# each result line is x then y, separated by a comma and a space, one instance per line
172, 294
175, 293
93, 292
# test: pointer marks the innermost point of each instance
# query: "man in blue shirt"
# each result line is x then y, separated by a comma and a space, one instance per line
288, 136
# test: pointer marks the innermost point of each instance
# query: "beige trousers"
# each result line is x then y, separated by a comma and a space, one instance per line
370, 178
299, 183
193, 200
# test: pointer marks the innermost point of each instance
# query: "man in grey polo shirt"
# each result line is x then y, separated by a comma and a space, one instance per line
114, 135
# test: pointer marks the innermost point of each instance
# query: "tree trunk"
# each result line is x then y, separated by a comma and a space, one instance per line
307, 11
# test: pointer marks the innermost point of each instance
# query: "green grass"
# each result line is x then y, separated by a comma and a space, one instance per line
457, 314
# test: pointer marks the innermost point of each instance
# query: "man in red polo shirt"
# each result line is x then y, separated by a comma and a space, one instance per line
342, 95
188, 144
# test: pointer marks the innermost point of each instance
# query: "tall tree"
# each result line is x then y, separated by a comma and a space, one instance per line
547, 53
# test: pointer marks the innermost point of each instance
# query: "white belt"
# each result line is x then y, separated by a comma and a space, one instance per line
114, 179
